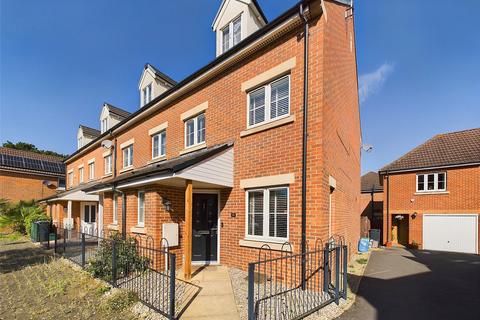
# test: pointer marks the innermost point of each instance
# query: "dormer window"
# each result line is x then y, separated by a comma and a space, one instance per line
232, 34
147, 94
80, 142
104, 125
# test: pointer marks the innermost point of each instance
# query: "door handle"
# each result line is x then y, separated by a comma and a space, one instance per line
203, 232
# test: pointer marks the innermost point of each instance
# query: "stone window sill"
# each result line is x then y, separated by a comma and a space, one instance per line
193, 148
268, 125
158, 159
431, 193
126, 169
258, 244
137, 229
113, 226
107, 175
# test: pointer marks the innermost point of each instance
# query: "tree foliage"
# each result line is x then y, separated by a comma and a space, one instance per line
20, 216
24, 146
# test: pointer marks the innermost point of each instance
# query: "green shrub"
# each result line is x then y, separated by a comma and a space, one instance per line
19, 216
127, 258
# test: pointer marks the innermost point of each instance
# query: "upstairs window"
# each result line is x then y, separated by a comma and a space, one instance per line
80, 175
79, 142
104, 125
108, 164
432, 182
159, 144
141, 208
232, 34
195, 130
61, 183
267, 214
91, 171
269, 102
70, 179
128, 156
147, 94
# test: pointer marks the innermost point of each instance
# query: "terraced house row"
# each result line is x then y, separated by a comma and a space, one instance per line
233, 156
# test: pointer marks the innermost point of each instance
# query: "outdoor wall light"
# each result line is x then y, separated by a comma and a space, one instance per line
414, 215
167, 204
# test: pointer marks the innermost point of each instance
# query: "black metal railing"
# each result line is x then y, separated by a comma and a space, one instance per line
278, 290
133, 264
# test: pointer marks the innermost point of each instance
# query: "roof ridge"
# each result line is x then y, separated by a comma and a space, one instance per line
459, 131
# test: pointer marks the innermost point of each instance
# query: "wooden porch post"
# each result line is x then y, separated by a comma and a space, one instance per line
187, 268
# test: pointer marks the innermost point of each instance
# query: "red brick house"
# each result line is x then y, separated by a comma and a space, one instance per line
26, 175
432, 194
220, 154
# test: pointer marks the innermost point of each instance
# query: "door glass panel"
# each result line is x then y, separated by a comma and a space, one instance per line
93, 214
86, 214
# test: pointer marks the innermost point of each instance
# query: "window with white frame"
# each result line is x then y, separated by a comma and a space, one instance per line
79, 142
104, 125
232, 34
115, 214
195, 130
147, 94
269, 102
267, 213
128, 156
431, 182
108, 164
80, 174
70, 179
141, 208
91, 171
159, 144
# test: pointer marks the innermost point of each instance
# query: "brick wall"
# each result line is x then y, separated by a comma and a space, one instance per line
333, 148
20, 186
463, 196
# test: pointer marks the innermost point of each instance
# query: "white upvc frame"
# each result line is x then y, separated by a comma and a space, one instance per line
82, 215
266, 215
107, 164
114, 209
268, 95
435, 182
104, 125
159, 134
219, 225
195, 130
145, 101
230, 33
129, 157
91, 170
140, 223
80, 175
70, 178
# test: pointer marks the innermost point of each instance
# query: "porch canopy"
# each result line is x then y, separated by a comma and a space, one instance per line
76, 194
208, 168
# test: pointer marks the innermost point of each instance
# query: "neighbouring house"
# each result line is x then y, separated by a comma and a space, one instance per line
371, 204
26, 175
432, 194
217, 158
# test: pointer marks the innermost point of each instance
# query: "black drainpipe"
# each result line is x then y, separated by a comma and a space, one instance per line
304, 145
115, 191
388, 209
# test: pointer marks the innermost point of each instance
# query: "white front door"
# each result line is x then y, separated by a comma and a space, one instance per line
89, 218
450, 232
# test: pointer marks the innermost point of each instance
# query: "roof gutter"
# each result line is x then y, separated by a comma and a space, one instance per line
470, 164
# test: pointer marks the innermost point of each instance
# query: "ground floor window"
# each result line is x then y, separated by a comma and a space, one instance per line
141, 208
267, 213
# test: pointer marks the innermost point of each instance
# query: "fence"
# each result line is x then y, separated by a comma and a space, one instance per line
277, 289
133, 264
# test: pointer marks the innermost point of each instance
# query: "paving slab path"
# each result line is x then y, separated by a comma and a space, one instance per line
216, 299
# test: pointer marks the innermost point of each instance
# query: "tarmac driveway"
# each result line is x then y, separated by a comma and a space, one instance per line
414, 284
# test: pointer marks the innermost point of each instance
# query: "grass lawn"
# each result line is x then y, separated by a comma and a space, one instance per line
33, 285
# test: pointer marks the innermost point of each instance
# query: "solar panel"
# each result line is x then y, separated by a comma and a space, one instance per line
31, 164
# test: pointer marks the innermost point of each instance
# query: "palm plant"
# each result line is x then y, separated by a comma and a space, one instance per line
20, 216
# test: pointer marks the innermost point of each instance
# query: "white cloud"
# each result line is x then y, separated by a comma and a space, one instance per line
370, 83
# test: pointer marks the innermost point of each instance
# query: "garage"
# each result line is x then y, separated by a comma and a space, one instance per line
450, 232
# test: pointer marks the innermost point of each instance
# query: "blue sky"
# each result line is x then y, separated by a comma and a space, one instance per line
418, 65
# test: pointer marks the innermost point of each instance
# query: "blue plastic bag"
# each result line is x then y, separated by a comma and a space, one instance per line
363, 244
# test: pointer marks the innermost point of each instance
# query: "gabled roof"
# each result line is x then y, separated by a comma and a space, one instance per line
160, 74
169, 166
90, 131
30, 162
443, 150
254, 3
370, 181
117, 111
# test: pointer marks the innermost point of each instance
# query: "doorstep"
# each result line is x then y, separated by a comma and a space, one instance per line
215, 300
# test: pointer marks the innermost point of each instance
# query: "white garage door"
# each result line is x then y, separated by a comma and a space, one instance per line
454, 232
